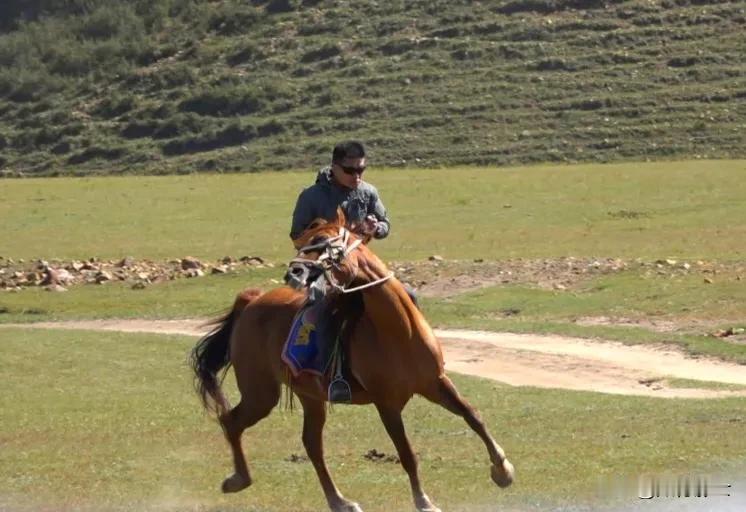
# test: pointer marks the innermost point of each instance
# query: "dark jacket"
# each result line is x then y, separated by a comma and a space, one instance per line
321, 200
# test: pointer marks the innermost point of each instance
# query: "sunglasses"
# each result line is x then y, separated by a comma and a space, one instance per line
352, 170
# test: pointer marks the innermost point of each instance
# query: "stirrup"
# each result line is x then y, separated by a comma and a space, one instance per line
339, 391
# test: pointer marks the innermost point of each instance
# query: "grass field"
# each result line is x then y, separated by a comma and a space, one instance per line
656, 210
107, 421
684, 210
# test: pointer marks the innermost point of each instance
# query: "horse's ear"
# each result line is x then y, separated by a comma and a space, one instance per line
303, 238
341, 219
315, 223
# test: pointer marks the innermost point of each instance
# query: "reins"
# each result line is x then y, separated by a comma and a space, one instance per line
333, 252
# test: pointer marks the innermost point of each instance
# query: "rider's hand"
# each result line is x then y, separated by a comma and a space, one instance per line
369, 225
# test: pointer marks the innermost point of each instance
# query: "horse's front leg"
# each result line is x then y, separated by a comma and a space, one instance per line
446, 395
314, 417
391, 417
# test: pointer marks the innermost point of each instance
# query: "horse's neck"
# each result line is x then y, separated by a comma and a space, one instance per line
389, 305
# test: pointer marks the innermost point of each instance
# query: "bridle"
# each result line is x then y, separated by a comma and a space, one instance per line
333, 251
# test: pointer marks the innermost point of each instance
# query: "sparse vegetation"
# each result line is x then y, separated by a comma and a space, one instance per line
424, 83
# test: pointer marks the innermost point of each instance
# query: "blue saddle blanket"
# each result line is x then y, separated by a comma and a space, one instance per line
304, 349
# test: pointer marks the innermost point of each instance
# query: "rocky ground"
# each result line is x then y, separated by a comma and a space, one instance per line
435, 277
438, 277
56, 275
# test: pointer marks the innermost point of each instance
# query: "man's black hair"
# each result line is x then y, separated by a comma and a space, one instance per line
348, 149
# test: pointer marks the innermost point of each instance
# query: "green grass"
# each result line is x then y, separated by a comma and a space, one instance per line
457, 213
109, 421
629, 295
165, 86
702, 384
185, 298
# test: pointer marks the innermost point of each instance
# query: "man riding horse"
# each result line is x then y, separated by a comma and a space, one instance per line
393, 355
341, 186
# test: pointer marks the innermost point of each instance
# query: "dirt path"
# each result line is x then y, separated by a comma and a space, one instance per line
527, 360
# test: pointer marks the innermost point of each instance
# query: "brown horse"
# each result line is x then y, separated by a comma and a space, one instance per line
391, 354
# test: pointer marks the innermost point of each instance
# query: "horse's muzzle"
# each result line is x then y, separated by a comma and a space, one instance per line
300, 276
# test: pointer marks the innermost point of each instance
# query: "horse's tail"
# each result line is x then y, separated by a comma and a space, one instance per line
210, 358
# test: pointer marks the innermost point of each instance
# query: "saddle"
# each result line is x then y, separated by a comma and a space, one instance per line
317, 342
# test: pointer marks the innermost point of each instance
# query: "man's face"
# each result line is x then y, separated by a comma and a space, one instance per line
349, 172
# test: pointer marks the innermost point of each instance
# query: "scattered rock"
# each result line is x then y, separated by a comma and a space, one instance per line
190, 263
252, 260
376, 456
296, 458
51, 277
126, 262
731, 331
435, 257
707, 280
64, 276
103, 277
650, 382
194, 272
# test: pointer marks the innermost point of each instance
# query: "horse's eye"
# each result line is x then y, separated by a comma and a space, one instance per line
318, 240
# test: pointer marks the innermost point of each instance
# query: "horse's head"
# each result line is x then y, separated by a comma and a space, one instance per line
324, 248
331, 250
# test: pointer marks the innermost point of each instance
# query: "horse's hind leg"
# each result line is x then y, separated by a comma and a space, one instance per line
314, 417
445, 394
391, 417
234, 422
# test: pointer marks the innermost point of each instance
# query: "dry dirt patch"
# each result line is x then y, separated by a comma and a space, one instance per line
525, 360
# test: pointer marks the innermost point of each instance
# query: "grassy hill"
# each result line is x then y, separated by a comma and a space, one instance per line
170, 86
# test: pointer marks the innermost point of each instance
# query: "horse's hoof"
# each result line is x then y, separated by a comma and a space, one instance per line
503, 474
424, 504
350, 506
235, 483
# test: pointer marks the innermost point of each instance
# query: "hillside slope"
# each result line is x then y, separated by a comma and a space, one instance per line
164, 86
